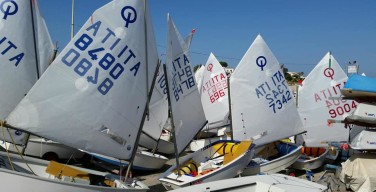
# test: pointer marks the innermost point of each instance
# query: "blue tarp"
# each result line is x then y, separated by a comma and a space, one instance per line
361, 83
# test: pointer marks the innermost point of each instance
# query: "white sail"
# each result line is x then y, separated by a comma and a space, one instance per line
188, 115
214, 93
94, 94
263, 106
158, 107
316, 107
26, 50
198, 76
46, 49
188, 39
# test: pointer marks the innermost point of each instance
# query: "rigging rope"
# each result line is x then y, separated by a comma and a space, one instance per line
15, 146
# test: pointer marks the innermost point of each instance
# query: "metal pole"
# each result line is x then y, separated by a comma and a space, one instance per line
72, 27
150, 92
229, 108
172, 120
34, 39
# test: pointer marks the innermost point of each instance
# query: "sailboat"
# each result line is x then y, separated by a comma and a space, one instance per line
263, 109
214, 99
316, 106
27, 51
213, 162
93, 97
158, 124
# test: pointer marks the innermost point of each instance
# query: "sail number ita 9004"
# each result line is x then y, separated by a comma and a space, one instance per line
275, 92
91, 56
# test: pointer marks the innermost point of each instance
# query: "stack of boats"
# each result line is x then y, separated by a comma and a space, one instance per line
357, 172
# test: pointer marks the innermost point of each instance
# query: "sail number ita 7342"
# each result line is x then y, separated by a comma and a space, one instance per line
275, 92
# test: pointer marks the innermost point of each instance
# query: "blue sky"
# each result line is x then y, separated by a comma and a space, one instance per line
298, 32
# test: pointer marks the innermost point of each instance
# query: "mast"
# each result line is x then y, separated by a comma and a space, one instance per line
36, 61
72, 27
172, 120
34, 39
229, 107
150, 92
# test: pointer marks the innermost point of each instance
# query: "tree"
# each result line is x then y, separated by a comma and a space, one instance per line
286, 74
223, 63
195, 68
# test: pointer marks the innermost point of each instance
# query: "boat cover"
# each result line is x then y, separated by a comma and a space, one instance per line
358, 172
361, 83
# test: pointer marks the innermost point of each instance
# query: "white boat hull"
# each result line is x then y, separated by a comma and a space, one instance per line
275, 165
144, 161
310, 163
259, 183
171, 180
196, 145
46, 149
23, 180
164, 147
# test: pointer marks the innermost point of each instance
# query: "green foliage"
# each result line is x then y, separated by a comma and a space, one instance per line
223, 63
195, 68
292, 78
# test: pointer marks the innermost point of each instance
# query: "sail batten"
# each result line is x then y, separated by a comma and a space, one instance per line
94, 94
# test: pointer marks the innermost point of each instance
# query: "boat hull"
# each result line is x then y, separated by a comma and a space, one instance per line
23, 180
274, 182
144, 161
275, 165
164, 147
46, 149
306, 162
196, 145
171, 180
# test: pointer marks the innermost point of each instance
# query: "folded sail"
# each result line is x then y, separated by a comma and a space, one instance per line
214, 93
26, 51
93, 95
186, 107
263, 106
316, 106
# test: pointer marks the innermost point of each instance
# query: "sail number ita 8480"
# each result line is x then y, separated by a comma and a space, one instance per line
100, 59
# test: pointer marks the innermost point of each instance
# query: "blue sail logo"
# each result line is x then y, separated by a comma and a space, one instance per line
8, 7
